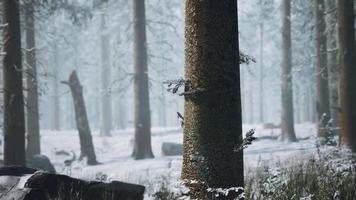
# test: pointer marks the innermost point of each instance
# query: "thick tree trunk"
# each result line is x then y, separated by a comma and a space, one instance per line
333, 64
347, 53
105, 126
14, 122
142, 146
322, 82
86, 143
33, 126
288, 133
213, 125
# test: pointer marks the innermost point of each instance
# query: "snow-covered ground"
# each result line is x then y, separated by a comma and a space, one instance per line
114, 154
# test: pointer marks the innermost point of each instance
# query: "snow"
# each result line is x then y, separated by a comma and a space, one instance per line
114, 154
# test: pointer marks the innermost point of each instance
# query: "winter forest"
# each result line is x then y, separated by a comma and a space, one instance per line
173, 99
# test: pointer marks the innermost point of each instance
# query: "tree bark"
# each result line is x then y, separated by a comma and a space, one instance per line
347, 59
14, 122
86, 143
288, 133
142, 146
333, 63
106, 124
213, 124
33, 126
322, 82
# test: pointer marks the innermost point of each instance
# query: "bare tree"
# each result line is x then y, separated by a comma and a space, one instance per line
105, 127
288, 133
86, 142
142, 146
32, 122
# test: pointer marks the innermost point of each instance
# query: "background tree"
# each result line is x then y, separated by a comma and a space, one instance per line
347, 59
287, 125
142, 145
85, 138
32, 120
14, 122
105, 126
212, 109
333, 67
321, 67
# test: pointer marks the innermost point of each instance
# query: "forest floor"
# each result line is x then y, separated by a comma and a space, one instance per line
163, 171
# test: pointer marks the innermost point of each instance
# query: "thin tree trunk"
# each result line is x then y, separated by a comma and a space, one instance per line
33, 126
261, 76
14, 122
56, 106
347, 53
322, 85
163, 115
106, 124
86, 143
288, 133
142, 146
212, 114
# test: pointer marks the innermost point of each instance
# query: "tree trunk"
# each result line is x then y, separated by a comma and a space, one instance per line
288, 133
33, 126
105, 126
213, 126
261, 76
333, 64
142, 146
86, 143
347, 60
14, 122
56, 106
322, 85
162, 110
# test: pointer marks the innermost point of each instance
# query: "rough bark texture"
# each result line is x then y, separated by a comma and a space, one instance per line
14, 122
322, 82
347, 61
142, 146
333, 65
32, 122
213, 125
288, 133
105, 127
86, 143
